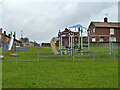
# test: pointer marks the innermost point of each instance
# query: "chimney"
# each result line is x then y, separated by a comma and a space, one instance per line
0, 31
4, 32
105, 19
9, 35
66, 29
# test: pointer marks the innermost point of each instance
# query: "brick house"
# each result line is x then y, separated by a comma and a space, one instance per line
104, 28
45, 44
6, 39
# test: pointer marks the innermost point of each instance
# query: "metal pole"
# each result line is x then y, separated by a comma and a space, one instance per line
94, 55
88, 42
16, 54
73, 40
72, 54
112, 47
78, 39
110, 44
69, 41
71, 44
61, 43
81, 42
37, 55
114, 55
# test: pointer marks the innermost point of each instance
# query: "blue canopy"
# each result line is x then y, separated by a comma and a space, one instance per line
84, 27
75, 26
78, 25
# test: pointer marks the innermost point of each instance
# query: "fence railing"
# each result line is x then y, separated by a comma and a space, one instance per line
47, 54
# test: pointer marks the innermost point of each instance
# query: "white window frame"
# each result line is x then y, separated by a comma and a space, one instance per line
93, 39
101, 39
93, 29
0, 36
111, 31
112, 39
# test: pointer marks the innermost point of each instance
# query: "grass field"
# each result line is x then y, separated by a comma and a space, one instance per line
55, 73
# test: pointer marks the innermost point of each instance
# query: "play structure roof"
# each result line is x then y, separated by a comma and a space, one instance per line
77, 26
84, 27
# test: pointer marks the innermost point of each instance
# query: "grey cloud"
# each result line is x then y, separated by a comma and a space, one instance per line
41, 21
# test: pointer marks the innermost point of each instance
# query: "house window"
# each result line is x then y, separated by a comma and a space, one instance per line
112, 39
111, 30
101, 39
93, 39
93, 29
0, 36
7, 39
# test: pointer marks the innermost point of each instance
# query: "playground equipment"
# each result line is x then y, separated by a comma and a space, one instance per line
71, 44
53, 46
5, 44
11, 44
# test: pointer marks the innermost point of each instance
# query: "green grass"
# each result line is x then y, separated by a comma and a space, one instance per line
54, 73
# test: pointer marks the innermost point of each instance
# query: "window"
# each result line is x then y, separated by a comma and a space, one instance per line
0, 36
112, 39
101, 39
7, 39
93, 29
93, 39
111, 30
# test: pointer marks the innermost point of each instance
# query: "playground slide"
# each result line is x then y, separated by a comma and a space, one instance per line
53, 46
11, 43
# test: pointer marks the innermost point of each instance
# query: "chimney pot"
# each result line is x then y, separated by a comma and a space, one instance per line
0, 30
5, 32
66, 29
9, 35
105, 19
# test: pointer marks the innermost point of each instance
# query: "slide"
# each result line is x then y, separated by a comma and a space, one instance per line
53, 46
11, 43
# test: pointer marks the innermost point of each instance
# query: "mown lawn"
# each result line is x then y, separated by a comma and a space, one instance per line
57, 73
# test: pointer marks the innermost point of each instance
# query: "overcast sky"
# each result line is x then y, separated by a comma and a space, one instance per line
40, 21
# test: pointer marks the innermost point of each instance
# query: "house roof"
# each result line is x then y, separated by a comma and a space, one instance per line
106, 24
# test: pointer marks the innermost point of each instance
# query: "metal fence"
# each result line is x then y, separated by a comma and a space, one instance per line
97, 53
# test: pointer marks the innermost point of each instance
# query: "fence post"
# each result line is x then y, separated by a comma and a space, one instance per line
114, 55
94, 55
37, 55
72, 54
16, 54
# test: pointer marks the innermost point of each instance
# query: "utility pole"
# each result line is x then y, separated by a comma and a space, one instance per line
21, 34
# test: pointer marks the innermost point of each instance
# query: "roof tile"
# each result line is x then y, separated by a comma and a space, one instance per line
106, 24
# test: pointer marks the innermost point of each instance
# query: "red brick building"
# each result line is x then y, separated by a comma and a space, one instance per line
104, 28
5, 38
